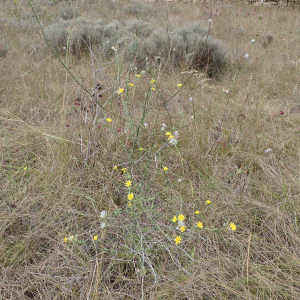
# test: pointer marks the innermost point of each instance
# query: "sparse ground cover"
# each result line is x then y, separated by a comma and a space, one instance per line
128, 172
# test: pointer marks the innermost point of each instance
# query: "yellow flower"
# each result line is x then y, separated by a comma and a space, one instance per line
16, 2
129, 203
171, 136
65, 239
177, 240
25, 168
120, 91
232, 226
165, 169
108, 120
152, 81
174, 219
168, 133
128, 183
124, 170
197, 212
153, 89
141, 149
199, 225
116, 167
179, 85
95, 237
182, 228
131, 84
208, 202
130, 196
181, 217
138, 75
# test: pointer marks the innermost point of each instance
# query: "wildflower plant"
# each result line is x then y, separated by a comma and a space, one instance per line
140, 183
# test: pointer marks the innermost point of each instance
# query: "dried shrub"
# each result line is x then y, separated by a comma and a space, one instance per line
140, 9
80, 33
138, 28
187, 45
117, 35
68, 13
26, 24
27, 21
95, 33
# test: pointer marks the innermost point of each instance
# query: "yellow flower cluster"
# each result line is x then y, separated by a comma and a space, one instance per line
70, 239
128, 184
200, 225
169, 135
120, 91
182, 228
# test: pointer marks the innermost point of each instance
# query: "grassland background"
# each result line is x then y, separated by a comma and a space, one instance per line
57, 162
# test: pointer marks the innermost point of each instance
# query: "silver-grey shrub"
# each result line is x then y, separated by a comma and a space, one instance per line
68, 13
185, 45
120, 35
82, 33
27, 21
141, 43
140, 9
138, 28
78, 34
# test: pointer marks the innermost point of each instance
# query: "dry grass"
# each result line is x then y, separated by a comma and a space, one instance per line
58, 156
